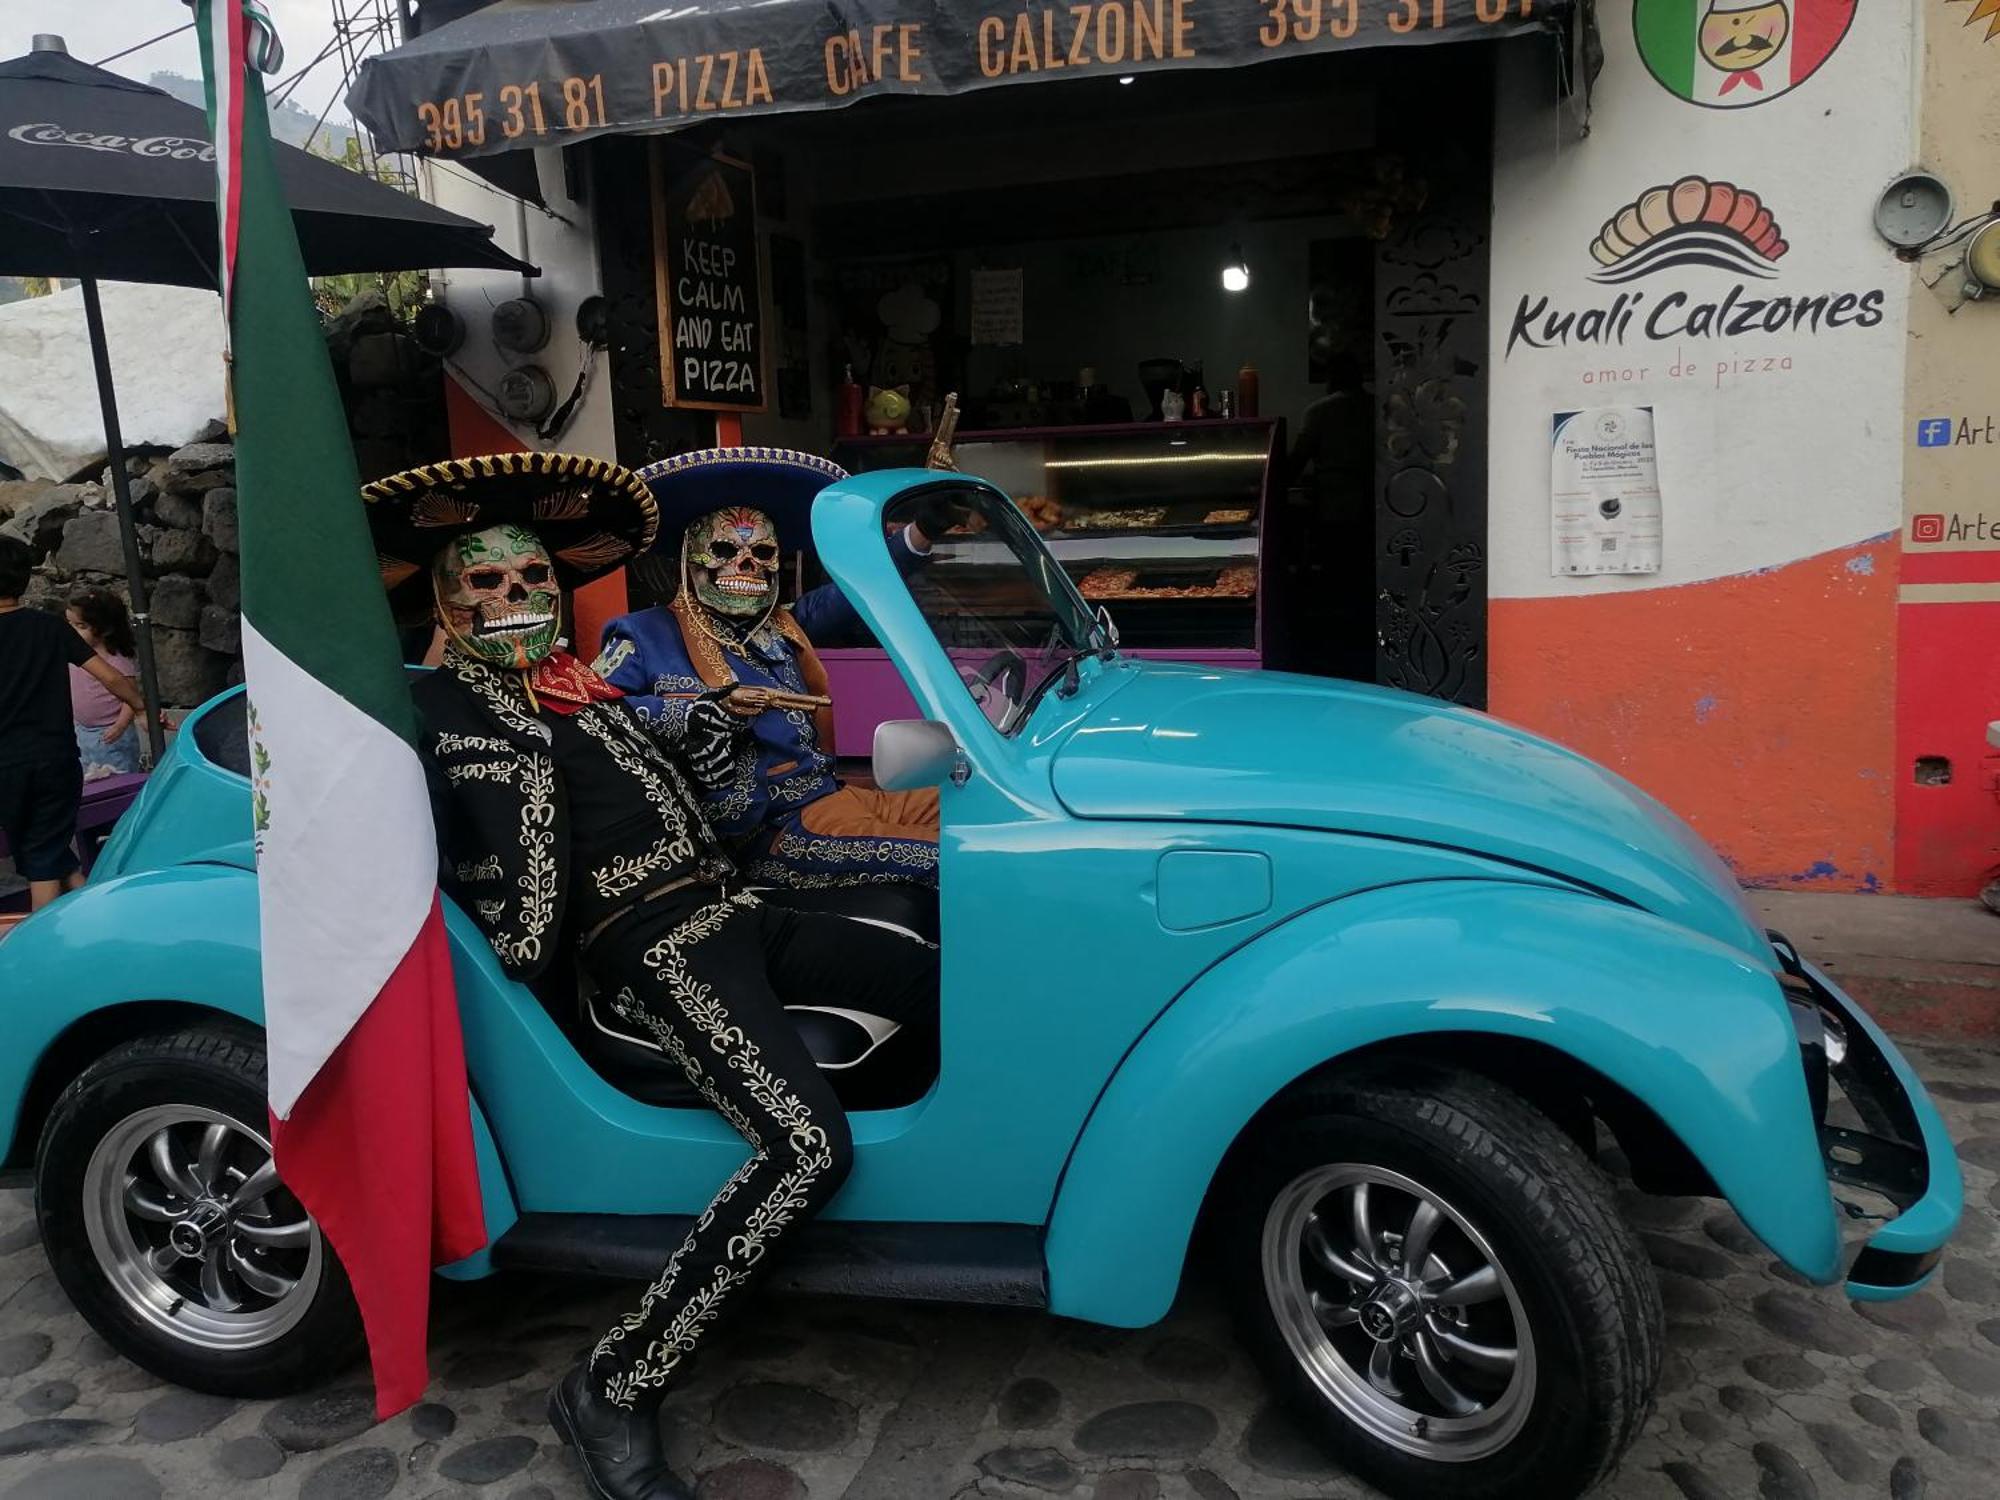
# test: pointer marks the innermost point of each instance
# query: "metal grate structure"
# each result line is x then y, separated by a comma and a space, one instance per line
362, 28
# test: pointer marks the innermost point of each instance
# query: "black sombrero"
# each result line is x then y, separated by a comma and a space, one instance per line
593, 514
781, 482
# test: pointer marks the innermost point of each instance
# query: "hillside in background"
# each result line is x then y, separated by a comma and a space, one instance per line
289, 122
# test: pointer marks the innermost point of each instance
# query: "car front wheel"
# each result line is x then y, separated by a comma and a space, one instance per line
1439, 1279
166, 1224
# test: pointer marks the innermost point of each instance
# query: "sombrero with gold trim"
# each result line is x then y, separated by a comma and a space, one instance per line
592, 514
781, 482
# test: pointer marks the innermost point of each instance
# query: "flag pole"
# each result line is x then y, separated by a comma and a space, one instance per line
128, 526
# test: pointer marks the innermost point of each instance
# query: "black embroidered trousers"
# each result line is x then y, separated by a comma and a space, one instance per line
708, 978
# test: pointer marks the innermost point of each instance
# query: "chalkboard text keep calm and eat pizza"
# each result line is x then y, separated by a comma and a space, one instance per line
710, 283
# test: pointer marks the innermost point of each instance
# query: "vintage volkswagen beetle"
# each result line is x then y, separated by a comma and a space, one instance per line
1354, 981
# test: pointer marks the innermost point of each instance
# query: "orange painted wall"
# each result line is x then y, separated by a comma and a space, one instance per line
475, 431
1761, 707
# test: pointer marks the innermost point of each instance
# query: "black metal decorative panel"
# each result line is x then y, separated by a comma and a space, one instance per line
621, 198
1431, 297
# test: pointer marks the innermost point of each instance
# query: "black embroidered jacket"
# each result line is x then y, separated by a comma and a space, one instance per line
548, 823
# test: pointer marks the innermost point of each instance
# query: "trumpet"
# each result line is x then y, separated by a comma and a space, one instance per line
947, 430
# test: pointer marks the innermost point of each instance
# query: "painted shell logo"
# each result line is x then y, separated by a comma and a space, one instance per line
1722, 54
1693, 222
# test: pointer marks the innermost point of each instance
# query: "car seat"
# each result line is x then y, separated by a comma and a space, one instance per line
872, 1062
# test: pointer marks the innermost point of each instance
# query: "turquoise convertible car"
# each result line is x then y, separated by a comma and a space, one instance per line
1349, 986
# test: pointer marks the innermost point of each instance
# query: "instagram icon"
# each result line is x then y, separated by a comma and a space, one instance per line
1927, 528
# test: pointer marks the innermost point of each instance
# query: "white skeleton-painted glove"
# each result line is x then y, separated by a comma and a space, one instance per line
709, 742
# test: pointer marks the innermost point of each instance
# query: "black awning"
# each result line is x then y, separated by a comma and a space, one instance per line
548, 72
101, 176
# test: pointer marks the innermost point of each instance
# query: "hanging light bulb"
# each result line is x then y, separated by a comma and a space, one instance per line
1236, 271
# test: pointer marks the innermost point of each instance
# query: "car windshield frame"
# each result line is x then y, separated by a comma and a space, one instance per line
1064, 628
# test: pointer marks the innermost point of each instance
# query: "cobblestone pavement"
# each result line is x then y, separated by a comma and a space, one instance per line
1772, 1390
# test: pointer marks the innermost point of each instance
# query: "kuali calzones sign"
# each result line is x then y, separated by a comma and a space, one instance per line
1693, 259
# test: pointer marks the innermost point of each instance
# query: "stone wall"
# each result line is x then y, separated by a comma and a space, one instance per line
185, 503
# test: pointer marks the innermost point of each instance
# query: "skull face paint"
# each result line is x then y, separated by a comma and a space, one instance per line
497, 597
731, 559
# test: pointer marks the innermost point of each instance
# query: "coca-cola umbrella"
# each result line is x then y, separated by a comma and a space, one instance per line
105, 179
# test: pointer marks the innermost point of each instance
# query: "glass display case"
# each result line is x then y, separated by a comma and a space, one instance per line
1162, 523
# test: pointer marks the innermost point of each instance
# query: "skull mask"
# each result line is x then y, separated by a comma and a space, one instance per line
497, 597
730, 559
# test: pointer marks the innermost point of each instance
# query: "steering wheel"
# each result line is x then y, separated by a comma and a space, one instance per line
1005, 671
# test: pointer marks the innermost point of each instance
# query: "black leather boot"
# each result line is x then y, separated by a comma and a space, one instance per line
620, 1450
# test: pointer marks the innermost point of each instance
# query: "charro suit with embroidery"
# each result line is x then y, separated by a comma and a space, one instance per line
572, 826
512, 852
781, 805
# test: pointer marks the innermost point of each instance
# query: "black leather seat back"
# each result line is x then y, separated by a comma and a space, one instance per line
871, 1064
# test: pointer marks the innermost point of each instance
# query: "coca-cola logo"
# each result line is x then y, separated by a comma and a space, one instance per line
153, 147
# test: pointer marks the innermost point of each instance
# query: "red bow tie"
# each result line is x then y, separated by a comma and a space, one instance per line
562, 683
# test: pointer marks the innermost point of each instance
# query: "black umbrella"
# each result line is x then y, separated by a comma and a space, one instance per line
105, 179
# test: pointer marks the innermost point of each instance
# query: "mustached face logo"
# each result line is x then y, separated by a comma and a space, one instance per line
1692, 222
1723, 54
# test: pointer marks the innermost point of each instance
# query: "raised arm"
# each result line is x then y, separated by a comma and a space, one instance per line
825, 614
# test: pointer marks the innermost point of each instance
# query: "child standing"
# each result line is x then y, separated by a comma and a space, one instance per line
104, 736
40, 776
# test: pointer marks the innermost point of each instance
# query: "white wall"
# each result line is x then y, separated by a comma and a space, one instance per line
1793, 446
567, 256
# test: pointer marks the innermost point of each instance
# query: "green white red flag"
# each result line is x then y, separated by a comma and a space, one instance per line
371, 1126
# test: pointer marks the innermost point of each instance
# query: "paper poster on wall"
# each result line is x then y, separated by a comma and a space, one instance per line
1604, 492
997, 294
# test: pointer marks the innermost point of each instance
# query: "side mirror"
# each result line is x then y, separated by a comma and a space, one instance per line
915, 753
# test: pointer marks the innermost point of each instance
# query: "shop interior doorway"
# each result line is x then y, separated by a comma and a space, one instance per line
1109, 275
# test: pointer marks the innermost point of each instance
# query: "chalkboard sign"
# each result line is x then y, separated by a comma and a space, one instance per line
710, 284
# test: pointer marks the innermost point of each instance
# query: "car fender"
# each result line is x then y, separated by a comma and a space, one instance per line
187, 934
1692, 1028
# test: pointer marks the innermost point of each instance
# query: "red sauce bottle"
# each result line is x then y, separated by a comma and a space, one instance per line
847, 407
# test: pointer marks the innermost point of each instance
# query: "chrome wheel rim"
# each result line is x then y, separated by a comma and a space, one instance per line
1400, 1312
192, 1229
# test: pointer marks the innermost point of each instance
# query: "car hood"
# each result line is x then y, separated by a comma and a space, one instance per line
1200, 744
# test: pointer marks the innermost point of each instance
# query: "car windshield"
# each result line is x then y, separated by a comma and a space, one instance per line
1003, 609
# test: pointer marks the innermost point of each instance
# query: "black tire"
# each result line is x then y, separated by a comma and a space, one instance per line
217, 1069
1581, 1286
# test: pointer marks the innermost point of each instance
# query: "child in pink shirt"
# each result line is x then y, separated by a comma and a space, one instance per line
105, 740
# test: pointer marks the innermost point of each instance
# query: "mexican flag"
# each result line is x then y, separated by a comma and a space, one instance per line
370, 1122
1700, 49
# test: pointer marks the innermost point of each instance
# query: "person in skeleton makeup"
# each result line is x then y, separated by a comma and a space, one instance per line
497, 599
569, 827
793, 821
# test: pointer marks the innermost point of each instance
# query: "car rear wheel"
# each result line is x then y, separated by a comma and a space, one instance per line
1438, 1278
166, 1224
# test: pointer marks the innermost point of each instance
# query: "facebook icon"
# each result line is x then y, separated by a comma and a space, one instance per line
1933, 432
